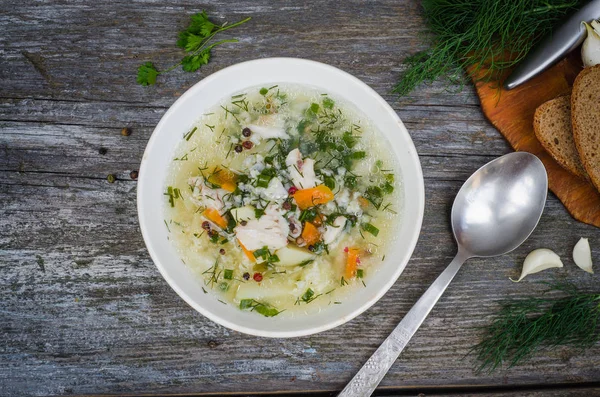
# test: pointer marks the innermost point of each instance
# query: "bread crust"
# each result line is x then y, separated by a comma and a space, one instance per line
585, 119
552, 127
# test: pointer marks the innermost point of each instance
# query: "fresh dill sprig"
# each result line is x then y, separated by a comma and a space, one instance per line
523, 326
484, 37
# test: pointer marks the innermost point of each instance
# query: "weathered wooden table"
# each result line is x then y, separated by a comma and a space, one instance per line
84, 310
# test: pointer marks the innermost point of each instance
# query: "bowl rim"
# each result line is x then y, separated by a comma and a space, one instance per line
418, 194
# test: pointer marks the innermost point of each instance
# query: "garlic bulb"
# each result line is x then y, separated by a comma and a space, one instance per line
582, 255
590, 50
538, 260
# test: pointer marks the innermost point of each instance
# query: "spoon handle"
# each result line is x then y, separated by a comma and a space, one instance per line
369, 376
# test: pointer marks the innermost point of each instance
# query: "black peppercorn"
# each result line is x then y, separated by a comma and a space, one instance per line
243, 223
102, 150
206, 225
246, 276
286, 206
222, 251
238, 148
134, 175
246, 132
311, 248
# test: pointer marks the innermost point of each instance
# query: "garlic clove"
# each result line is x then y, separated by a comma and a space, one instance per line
582, 255
538, 260
590, 50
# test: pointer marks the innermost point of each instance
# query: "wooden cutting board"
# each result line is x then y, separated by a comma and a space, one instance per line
511, 112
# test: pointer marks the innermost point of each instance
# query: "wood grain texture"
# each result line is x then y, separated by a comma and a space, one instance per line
84, 310
512, 113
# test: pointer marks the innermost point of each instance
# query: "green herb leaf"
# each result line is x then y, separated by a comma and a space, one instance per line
328, 103
147, 74
195, 40
523, 326
258, 212
387, 188
191, 63
477, 36
314, 107
263, 91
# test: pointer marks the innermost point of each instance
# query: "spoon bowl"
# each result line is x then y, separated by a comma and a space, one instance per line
495, 211
499, 206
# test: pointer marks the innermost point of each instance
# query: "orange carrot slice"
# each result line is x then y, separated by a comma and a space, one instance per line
318, 221
213, 215
310, 234
351, 263
224, 178
306, 198
249, 254
363, 202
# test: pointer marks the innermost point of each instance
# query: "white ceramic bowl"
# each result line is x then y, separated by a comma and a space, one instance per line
206, 94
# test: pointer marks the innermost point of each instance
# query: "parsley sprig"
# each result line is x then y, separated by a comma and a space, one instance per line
195, 41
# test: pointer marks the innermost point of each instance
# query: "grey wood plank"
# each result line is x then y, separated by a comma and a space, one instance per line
85, 311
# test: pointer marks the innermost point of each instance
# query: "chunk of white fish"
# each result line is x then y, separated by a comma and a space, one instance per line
270, 230
302, 171
275, 191
582, 255
332, 232
205, 196
268, 131
538, 260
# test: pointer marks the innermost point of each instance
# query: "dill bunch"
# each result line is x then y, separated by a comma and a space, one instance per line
484, 37
525, 325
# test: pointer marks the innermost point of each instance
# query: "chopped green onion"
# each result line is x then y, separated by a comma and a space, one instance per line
367, 227
261, 253
350, 181
328, 103
228, 274
308, 215
307, 295
314, 107
266, 311
263, 180
375, 196
359, 273
349, 139
358, 155
263, 91
329, 181
246, 303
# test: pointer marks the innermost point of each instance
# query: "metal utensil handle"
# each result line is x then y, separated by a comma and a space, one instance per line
369, 376
554, 46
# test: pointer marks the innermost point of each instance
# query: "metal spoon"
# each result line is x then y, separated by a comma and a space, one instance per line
494, 212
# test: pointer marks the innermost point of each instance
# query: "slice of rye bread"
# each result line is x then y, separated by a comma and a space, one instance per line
552, 127
585, 119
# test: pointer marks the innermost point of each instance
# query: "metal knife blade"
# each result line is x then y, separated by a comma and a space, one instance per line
554, 46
